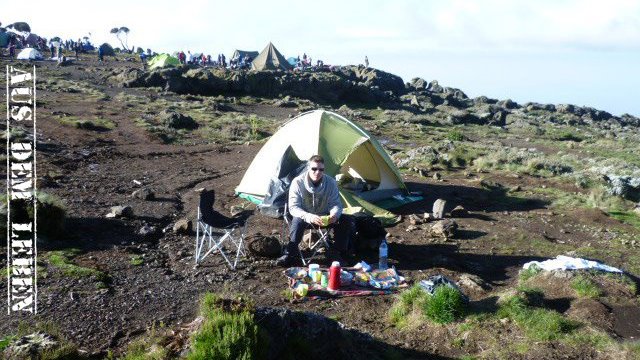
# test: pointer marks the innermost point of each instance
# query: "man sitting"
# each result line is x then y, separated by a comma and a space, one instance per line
314, 194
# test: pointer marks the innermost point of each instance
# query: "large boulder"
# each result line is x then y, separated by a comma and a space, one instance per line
455, 93
35, 345
533, 106
175, 120
418, 84
596, 115
462, 117
435, 87
624, 186
423, 154
444, 228
569, 109
508, 104
121, 211
205, 82
265, 246
629, 120
484, 100
383, 81
344, 84
309, 335
183, 226
499, 118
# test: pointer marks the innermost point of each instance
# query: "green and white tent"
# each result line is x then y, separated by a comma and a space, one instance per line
163, 60
349, 153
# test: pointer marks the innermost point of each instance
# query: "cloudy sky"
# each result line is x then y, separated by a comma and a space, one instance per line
584, 52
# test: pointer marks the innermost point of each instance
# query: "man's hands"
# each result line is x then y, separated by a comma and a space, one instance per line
317, 220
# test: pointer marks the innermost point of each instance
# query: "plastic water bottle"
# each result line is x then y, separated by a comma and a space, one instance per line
384, 253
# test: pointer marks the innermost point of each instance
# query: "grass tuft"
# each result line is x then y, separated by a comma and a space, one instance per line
136, 260
63, 261
404, 306
538, 324
445, 305
627, 217
455, 135
585, 287
229, 331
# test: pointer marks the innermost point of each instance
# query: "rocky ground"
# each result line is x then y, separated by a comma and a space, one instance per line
535, 181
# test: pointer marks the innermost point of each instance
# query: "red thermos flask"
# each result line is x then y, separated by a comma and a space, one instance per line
334, 276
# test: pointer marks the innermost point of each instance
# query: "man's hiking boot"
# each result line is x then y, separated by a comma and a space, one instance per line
285, 261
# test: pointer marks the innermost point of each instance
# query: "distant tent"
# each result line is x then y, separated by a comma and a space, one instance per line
270, 59
293, 61
107, 50
162, 61
240, 54
29, 54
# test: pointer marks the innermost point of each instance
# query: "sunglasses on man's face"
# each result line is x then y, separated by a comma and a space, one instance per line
317, 169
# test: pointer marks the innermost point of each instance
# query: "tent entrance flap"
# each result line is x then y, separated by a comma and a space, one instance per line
353, 204
397, 201
277, 196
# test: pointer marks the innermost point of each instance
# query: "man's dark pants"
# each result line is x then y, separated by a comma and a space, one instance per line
343, 230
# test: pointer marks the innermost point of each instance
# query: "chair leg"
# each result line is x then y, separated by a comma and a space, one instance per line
206, 238
197, 255
319, 244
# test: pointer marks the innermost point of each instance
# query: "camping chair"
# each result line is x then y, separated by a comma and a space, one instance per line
229, 237
315, 247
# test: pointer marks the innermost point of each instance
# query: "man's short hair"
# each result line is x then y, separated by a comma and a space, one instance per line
317, 158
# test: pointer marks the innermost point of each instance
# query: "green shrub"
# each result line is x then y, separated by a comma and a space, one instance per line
228, 331
568, 136
548, 167
5, 341
585, 287
462, 156
405, 304
538, 324
455, 135
444, 306
136, 260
